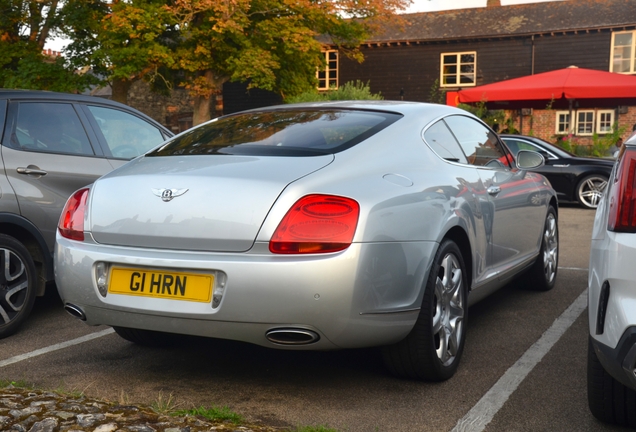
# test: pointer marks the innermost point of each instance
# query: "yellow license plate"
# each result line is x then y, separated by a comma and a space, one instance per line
159, 284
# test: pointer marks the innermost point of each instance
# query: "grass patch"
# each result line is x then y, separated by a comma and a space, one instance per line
18, 384
213, 414
163, 405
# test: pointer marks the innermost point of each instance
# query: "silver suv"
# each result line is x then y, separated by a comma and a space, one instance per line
52, 145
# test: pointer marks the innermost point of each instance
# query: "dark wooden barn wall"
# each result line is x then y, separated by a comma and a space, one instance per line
236, 97
412, 69
585, 50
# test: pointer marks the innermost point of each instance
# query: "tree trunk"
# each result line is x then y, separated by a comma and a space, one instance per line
209, 105
201, 110
120, 90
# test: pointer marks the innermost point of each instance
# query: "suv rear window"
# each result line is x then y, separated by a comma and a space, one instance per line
290, 132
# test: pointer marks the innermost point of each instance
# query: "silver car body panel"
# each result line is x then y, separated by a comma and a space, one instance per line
223, 214
41, 197
369, 294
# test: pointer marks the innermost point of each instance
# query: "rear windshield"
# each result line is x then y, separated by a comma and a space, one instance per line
280, 133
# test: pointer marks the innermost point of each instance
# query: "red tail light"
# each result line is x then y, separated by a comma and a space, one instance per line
316, 224
622, 198
71, 223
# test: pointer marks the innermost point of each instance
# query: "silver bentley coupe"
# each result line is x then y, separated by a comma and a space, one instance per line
316, 226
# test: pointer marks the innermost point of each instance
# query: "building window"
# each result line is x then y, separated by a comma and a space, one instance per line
623, 52
562, 122
584, 122
328, 77
604, 121
458, 69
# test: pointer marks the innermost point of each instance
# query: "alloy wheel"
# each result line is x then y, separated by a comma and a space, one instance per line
591, 191
448, 321
550, 248
14, 283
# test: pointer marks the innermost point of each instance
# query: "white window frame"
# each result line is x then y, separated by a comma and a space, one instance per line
591, 122
599, 115
331, 68
458, 73
567, 124
614, 58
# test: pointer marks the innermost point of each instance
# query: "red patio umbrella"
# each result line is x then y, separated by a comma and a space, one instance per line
562, 84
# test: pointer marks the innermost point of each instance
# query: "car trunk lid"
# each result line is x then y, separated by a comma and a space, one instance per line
201, 203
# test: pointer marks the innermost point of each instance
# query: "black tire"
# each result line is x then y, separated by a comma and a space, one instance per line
17, 285
608, 399
590, 190
147, 337
433, 348
542, 275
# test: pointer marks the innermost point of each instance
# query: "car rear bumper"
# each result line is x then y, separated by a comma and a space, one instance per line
367, 295
612, 290
619, 362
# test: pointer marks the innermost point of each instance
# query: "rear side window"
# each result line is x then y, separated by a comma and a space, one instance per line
280, 133
480, 144
127, 136
51, 128
442, 141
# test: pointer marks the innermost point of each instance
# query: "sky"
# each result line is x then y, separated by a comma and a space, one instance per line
416, 6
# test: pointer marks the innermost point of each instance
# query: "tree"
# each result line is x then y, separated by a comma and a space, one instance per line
271, 44
122, 41
349, 91
25, 26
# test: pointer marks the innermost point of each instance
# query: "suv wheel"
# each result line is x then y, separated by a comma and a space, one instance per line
609, 400
17, 284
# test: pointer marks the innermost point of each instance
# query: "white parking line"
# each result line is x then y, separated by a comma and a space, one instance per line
574, 268
483, 412
55, 347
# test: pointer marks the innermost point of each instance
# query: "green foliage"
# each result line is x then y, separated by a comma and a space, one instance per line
490, 117
349, 91
122, 41
600, 144
33, 71
17, 384
213, 414
271, 44
570, 144
24, 28
436, 94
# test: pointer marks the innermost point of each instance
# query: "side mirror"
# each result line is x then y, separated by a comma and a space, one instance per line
529, 160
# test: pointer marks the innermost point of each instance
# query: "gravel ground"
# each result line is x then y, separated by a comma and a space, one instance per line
25, 410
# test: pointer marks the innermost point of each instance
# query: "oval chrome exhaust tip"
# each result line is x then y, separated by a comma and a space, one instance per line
292, 336
75, 311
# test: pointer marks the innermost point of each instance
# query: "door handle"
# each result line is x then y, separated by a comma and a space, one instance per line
493, 190
561, 166
31, 170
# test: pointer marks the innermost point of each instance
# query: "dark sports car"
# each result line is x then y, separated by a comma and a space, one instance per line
574, 178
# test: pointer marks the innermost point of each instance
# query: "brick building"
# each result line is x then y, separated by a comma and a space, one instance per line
446, 51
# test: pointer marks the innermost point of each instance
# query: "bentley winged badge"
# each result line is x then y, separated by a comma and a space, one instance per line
167, 194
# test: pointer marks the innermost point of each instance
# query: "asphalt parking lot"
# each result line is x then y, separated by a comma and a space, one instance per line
524, 366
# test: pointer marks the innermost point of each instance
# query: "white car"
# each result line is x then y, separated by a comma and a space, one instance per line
611, 371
